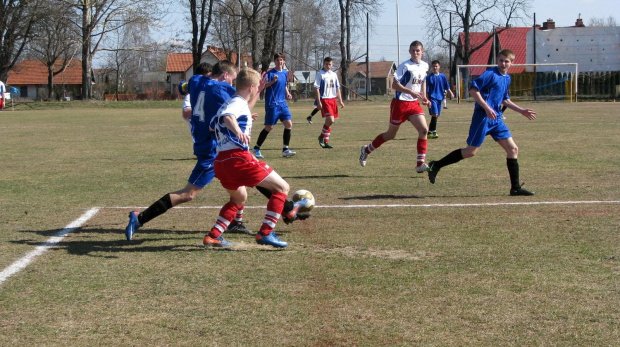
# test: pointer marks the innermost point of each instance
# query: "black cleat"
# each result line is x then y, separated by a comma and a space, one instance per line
298, 216
520, 191
432, 171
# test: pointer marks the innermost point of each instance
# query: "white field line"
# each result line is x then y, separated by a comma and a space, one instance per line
489, 204
28, 258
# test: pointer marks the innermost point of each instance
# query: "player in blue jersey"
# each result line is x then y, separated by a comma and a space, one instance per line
490, 91
207, 94
409, 81
436, 88
276, 109
186, 111
327, 94
237, 168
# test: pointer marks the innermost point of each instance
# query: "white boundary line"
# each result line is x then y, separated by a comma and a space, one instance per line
28, 258
487, 204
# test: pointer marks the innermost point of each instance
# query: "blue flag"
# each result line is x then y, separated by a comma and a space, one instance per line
14, 90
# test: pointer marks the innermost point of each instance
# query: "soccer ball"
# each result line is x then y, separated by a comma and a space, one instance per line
300, 194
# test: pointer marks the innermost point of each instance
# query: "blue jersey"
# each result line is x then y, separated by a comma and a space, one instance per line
206, 97
436, 85
276, 93
493, 86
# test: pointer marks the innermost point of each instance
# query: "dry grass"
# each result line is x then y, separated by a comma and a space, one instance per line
419, 274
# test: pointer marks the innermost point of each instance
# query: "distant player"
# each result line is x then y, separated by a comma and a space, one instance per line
409, 81
2, 91
327, 93
490, 91
276, 109
436, 88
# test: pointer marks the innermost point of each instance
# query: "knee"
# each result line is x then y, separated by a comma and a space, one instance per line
513, 151
388, 136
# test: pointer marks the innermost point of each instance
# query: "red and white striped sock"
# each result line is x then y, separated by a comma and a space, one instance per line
325, 132
275, 205
376, 143
421, 151
227, 213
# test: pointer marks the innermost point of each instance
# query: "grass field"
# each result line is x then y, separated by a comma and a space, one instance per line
387, 259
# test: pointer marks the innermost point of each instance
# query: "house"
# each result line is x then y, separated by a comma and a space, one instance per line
30, 77
511, 38
179, 66
381, 73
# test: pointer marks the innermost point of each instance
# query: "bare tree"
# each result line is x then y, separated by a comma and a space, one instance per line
201, 13
274, 14
97, 18
55, 43
466, 16
602, 22
16, 22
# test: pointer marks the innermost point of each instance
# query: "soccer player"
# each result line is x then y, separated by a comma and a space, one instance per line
276, 94
436, 88
2, 91
327, 92
237, 168
490, 91
409, 81
186, 112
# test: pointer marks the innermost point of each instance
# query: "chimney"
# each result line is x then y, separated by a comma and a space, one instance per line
579, 23
549, 24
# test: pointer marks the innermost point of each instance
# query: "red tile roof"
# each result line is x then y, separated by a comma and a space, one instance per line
378, 69
34, 72
181, 62
512, 38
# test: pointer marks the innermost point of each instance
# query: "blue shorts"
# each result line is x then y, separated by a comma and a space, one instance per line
481, 126
435, 107
277, 113
203, 172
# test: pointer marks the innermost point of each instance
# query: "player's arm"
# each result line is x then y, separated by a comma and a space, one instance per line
317, 96
425, 100
526, 112
475, 93
231, 123
339, 96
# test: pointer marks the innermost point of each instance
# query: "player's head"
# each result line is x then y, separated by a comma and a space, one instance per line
247, 78
225, 71
183, 88
203, 69
416, 49
278, 60
328, 62
436, 66
504, 60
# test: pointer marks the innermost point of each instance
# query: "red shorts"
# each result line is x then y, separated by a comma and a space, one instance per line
330, 108
236, 168
400, 111
1, 103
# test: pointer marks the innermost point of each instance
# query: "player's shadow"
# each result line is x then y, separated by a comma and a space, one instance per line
179, 159
383, 197
317, 177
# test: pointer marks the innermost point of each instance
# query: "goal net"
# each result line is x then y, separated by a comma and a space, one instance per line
528, 81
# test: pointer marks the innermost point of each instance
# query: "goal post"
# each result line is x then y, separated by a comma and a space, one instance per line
535, 82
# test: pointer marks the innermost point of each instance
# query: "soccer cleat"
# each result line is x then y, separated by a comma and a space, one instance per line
219, 241
421, 168
271, 240
432, 135
257, 153
520, 191
324, 144
298, 216
238, 228
445, 107
133, 225
363, 156
288, 153
432, 172
309, 119
291, 215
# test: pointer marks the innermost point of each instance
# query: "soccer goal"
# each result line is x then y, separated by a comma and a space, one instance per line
528, 81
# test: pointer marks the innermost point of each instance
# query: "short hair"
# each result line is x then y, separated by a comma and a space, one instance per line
435, 62
507, 53
203, 69
224, 66
278, 55
416, 43
328, 60
246, 77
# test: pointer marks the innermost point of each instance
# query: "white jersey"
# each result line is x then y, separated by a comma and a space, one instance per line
410, 75
237, 107
327, 83
186, 102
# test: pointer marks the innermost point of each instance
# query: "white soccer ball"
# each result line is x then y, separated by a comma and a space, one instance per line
302, 193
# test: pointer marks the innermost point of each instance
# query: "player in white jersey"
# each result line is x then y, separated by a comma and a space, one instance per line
409, 81
327, 92
237, 168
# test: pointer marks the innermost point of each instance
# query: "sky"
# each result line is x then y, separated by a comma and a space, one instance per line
383, 39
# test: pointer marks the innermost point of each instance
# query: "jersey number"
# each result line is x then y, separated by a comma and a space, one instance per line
199, 110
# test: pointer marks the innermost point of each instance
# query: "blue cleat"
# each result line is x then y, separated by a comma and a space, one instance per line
257, 153
219, 241
270, 239
133, 225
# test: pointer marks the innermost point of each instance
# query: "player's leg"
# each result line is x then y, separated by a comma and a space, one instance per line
286, 137
289, 213
434, 110
214, 238
280, 189
326, 132
419, 123
512, 152
382, 138
315, 111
